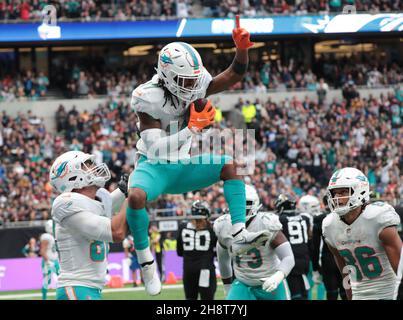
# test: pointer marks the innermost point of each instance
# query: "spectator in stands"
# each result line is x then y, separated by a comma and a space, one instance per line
31, 249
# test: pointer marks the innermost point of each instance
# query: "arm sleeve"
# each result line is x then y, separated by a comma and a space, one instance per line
117, 200
157, 141
89, 225
224, 262
284, 253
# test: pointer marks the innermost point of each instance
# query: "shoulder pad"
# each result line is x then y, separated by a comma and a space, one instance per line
375, 209
271, 221
326, 223
383, 213
220, 223
65, 205
145, 97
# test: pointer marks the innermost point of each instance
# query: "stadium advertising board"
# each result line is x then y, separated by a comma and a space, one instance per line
211, 27
26, 274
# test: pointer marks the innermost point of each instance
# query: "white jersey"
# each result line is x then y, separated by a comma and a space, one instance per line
257, 263
83, 262
150, 98
361, 248
51, 250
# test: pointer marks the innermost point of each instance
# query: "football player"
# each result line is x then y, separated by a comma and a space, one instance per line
50, 263
309, 206
196, 244
84, 223
323, 263
164, 165
297, 229
260, 272
362, 236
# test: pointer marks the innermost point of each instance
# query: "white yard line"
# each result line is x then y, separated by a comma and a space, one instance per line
52, 294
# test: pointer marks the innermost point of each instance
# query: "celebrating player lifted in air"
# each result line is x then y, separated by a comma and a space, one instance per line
180, 80
363, 237
260, 272
84, 223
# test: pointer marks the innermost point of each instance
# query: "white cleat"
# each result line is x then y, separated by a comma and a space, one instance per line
151, 279
246, 240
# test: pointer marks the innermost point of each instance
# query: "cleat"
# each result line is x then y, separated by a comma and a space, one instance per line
151, 279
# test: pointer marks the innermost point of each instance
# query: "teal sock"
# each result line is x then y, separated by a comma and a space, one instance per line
44, 293
234, 193
138, 221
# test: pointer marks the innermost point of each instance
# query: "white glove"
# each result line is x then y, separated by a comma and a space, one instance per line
227, 287
316, 277
50, 264
271, 283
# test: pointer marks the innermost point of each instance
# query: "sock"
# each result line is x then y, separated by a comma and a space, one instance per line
144, 256
234, 193
44, 293
138, 221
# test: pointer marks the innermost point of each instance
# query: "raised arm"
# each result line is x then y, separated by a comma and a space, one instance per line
236, 71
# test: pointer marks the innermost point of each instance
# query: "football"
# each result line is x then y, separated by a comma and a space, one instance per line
199, 104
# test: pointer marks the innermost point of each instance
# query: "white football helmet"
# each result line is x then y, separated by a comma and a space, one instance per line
309, 204
356, 182
49, 226
252, 200
72, 170
181, 68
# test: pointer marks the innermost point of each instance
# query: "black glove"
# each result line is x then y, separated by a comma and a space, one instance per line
122, 184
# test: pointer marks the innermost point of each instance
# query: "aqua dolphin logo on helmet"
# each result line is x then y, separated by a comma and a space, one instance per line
166, 59
60, 170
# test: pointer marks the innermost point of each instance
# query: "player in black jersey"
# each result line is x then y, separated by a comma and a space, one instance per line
323, 261
296, 228
196, 243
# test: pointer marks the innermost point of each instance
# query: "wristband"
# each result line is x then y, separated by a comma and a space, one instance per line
239, 68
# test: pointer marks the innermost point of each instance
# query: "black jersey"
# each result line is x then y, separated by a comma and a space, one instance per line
197, 247
296, 228
321, 254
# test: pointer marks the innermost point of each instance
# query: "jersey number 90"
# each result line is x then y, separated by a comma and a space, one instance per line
195, 240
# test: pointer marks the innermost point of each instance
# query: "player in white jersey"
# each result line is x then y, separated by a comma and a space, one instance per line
50, 263
260, 273
363, 237
85, 224
168, 119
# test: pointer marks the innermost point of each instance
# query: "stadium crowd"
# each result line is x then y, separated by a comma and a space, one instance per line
299, 145
90, 79
94, 10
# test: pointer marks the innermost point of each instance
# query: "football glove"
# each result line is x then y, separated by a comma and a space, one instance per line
316, 277
123, 184
203, 119
271, 283
241, 36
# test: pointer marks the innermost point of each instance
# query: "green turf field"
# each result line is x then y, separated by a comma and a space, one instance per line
169, 292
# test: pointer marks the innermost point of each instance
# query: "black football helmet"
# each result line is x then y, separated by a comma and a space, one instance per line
285, 204
200, 210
